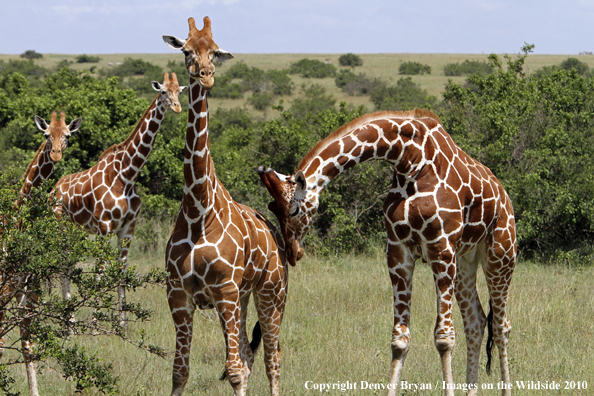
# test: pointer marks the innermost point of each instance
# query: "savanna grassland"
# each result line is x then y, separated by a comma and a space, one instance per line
374, 65
337, 328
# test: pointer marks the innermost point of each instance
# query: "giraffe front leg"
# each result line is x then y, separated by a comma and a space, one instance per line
182, 311
401, 267
443, 265
473, 317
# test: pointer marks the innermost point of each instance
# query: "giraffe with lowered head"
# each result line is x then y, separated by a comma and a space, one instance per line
443, 207
220, 252
103, 198
39, 169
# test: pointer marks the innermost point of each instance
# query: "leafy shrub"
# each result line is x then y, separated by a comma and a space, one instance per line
31, 54
413, 68
357, 84
224, 88
405, 95
59, 245
350, 59
135, 67
312, 68
87, 59
260, 101
574, 63
537, 136
315, 101
468, 67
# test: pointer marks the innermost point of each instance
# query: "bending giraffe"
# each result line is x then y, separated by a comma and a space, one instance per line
443, 207
39, 169
103, 198
220, 252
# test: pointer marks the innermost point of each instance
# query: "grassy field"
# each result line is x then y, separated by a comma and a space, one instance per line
337, 328
374, 65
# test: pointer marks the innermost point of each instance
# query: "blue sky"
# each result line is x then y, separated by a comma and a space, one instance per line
299, 26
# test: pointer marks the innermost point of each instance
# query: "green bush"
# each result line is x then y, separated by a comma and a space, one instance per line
350, 59
87, 59
537, 135
260, 101
38, 250
573, 63
357, 84
312, 68
413, 68
468, 67
134, 67
405, 95
31, 54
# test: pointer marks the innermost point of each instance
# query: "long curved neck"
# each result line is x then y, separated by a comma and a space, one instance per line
39, 170
138, 146
199, 172
400, 142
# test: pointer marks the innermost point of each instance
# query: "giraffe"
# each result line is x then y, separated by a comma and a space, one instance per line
220, 252
39, 169
443, 206
103, 198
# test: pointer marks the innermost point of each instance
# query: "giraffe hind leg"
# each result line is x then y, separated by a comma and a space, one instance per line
472, 314
254, 344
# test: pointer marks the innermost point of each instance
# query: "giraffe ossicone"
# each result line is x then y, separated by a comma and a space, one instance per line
103, 198
443, 207
220, 252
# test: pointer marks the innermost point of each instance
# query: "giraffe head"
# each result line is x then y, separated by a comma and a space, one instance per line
57, 133
170, 90
200, 51
295, 203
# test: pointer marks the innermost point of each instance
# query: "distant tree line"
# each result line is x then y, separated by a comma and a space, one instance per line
534, 131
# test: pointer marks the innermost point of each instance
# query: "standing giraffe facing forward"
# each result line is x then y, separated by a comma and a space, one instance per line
103, 198
39, 170
220, 251
443, 207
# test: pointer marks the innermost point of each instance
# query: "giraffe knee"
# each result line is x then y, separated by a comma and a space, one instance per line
445, 342
400, 345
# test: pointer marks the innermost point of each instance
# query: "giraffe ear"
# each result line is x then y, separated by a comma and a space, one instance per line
75, 125
41, 124
183, 88
300, 179
223, 55
174, 42
156, 86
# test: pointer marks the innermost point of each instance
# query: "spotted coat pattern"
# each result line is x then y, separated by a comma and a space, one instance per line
103, 198
220, 251
443, 207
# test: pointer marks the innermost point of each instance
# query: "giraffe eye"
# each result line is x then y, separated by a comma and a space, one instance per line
294, 212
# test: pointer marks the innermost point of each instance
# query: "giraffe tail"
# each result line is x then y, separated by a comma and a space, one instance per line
489, 337
256, 338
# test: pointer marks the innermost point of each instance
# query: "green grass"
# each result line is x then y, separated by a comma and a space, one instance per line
337, 328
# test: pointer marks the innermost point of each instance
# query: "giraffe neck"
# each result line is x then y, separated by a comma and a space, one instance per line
200, 180
138, 146
400, 142
39, 170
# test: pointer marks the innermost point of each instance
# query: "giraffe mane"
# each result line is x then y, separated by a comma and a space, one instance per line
119, 146
356, 123
34, 160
